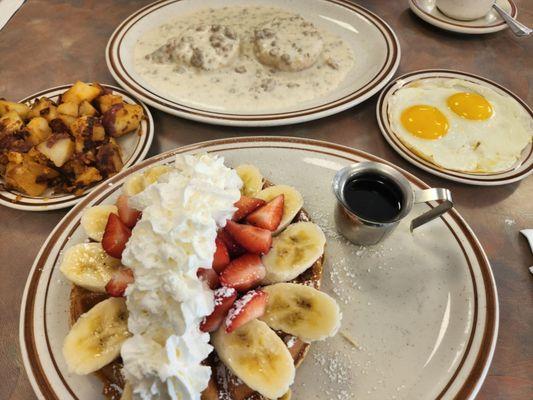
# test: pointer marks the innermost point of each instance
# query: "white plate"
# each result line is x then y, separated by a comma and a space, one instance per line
134, 148
523, 167
374, 44
422, 306
492, 22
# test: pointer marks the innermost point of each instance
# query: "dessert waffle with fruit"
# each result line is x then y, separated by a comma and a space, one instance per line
265, 276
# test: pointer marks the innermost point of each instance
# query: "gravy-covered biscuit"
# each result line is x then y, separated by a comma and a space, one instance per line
288, 44
206, 47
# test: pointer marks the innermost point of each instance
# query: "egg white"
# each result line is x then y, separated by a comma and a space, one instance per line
482, 146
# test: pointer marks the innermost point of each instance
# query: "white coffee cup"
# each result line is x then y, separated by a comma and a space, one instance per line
465, 10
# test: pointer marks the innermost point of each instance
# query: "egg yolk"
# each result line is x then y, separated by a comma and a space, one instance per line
470, 105
425, 122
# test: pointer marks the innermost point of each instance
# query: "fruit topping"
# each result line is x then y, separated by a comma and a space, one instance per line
248, 307
128, 215
209, 276
244, 273
119, 282
221, 256
116, 235
268, 216
253, 239
224, 299
245, 206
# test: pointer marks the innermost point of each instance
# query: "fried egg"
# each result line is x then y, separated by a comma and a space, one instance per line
460, 125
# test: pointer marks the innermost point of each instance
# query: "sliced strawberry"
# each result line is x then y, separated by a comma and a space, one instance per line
224, 299
234, 248
245, 206
248, 307
115, 237
209, 276
221, 256
128, 215
118, 282
268, 216
243, 273
255, 240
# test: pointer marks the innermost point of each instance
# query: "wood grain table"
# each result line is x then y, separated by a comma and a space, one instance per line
50, 42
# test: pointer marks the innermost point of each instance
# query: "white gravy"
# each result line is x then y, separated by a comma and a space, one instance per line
259, 88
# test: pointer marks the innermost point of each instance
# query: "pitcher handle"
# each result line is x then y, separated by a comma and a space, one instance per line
434, 194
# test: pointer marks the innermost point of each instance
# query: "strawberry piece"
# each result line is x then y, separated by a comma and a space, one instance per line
250, 306
224, 299
234, 248
221, 256
209, 276
243, 273
268, 216
255, 240
119, 282
116, 235
128, 215
245, 206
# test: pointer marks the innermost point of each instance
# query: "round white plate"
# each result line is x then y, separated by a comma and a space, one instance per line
134, 148
421, 307
376, 49
523, 167
492, 22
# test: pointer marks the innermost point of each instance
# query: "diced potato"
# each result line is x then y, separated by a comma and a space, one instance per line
39, 130
119, 120
79, 92
67, 120
28, 176
10, 122
20, 108
87, 108
108, 159
58, 148
68, 108
98, 133
45, 108
88, 176
107, 101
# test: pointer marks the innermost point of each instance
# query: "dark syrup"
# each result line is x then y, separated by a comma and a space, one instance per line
373, 197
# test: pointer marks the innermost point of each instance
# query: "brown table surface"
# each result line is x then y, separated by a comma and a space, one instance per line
51, 42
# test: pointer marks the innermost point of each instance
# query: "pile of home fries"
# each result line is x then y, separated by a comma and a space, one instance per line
65, 146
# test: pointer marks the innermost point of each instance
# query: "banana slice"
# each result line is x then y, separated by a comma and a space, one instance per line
293, 251
293, 202
94, 220
96, 337
258, 357
135, 184
251, 178
127, 393
301, 311
88, 265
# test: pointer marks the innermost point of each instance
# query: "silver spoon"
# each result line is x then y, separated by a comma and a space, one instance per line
517, 28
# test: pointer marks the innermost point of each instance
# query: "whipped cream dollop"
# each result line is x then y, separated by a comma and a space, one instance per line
181, 213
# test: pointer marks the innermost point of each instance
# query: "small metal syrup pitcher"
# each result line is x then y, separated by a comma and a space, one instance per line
365, 232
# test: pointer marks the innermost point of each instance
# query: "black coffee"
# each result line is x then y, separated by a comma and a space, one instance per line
373, 197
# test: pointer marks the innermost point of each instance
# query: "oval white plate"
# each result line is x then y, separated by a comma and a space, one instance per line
522, 168
422, 307
492, 22
134, 148
375, 46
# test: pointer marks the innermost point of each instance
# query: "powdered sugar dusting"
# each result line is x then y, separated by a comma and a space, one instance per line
223, 293
239, 306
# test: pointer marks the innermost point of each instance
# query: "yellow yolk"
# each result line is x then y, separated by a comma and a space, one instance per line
425, 122
470, 105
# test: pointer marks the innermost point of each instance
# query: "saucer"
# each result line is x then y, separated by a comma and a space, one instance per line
492, 22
